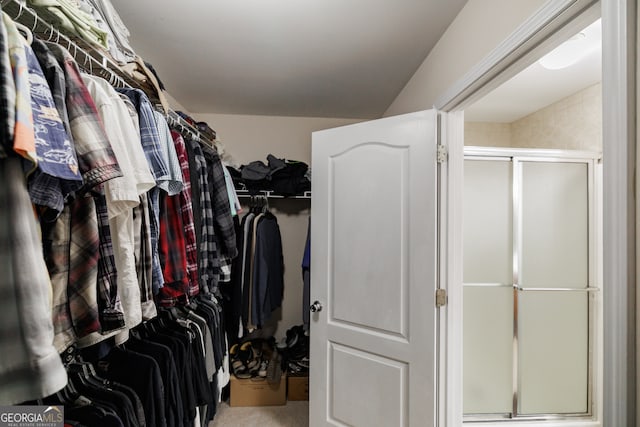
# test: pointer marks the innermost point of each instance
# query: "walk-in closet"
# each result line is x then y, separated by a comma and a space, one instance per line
318, 213
161, 255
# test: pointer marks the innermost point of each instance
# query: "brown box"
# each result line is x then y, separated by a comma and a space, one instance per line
257, 392
298, 388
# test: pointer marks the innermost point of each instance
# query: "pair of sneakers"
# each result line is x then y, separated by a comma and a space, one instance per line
295, 348
247, 361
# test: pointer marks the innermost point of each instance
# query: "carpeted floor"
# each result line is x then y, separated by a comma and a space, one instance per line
293, 414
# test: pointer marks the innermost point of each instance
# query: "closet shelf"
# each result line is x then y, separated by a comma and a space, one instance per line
90, 59
272, 195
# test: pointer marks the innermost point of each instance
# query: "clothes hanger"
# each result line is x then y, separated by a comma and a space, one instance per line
35, 24
84, 63
20, 10
26, 32
51, 34
86, 373
192, 304
69, 394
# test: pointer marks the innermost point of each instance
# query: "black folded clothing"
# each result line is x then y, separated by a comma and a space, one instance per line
283, 177
291, 180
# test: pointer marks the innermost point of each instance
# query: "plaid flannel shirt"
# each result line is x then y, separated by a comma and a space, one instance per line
221, 207
95, 157
186, 211
207, 243
158, 163
224, 275
142, 249
170, 294
172, 249
72, 252
111, 316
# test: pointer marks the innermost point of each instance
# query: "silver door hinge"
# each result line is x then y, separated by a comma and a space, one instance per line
441, 297
442, 154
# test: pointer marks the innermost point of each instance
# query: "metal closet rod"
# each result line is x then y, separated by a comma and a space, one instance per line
176, 120
271, 194
104, 67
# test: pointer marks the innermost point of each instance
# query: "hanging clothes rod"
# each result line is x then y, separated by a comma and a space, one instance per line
269, 194
174, 119
88, 59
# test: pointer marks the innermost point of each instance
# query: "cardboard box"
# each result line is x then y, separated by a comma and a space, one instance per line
257, 392
298, 388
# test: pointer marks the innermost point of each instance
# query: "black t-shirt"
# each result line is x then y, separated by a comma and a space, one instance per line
142, 374
174, 411
179, 352
93, 415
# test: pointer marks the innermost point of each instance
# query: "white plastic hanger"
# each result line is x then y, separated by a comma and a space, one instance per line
25, 31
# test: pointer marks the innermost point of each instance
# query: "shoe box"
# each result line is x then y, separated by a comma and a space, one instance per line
257, 392
297, 387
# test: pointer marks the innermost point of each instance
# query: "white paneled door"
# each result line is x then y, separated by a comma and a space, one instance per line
373, 275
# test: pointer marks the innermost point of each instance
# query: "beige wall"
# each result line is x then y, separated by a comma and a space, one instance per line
483, 134
174, 104
573, 123
479, 27
248, 138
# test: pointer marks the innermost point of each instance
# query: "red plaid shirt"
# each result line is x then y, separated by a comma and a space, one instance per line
178, 236
171, 250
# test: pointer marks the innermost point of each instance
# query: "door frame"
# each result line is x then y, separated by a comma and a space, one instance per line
543, 31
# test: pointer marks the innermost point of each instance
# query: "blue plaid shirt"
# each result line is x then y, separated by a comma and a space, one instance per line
159, 165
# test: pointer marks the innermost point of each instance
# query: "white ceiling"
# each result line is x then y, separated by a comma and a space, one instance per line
536, 87
323, 58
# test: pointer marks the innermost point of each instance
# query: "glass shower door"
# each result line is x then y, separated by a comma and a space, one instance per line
528, 287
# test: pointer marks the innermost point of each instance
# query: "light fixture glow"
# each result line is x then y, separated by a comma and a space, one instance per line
569, 52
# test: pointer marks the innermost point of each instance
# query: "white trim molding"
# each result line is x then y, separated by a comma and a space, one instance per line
450, 326
547, 28
619, 165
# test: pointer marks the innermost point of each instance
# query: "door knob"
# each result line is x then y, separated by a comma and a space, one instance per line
316, 307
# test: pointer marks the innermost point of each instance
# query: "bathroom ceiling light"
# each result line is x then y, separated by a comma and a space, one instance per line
569, 52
